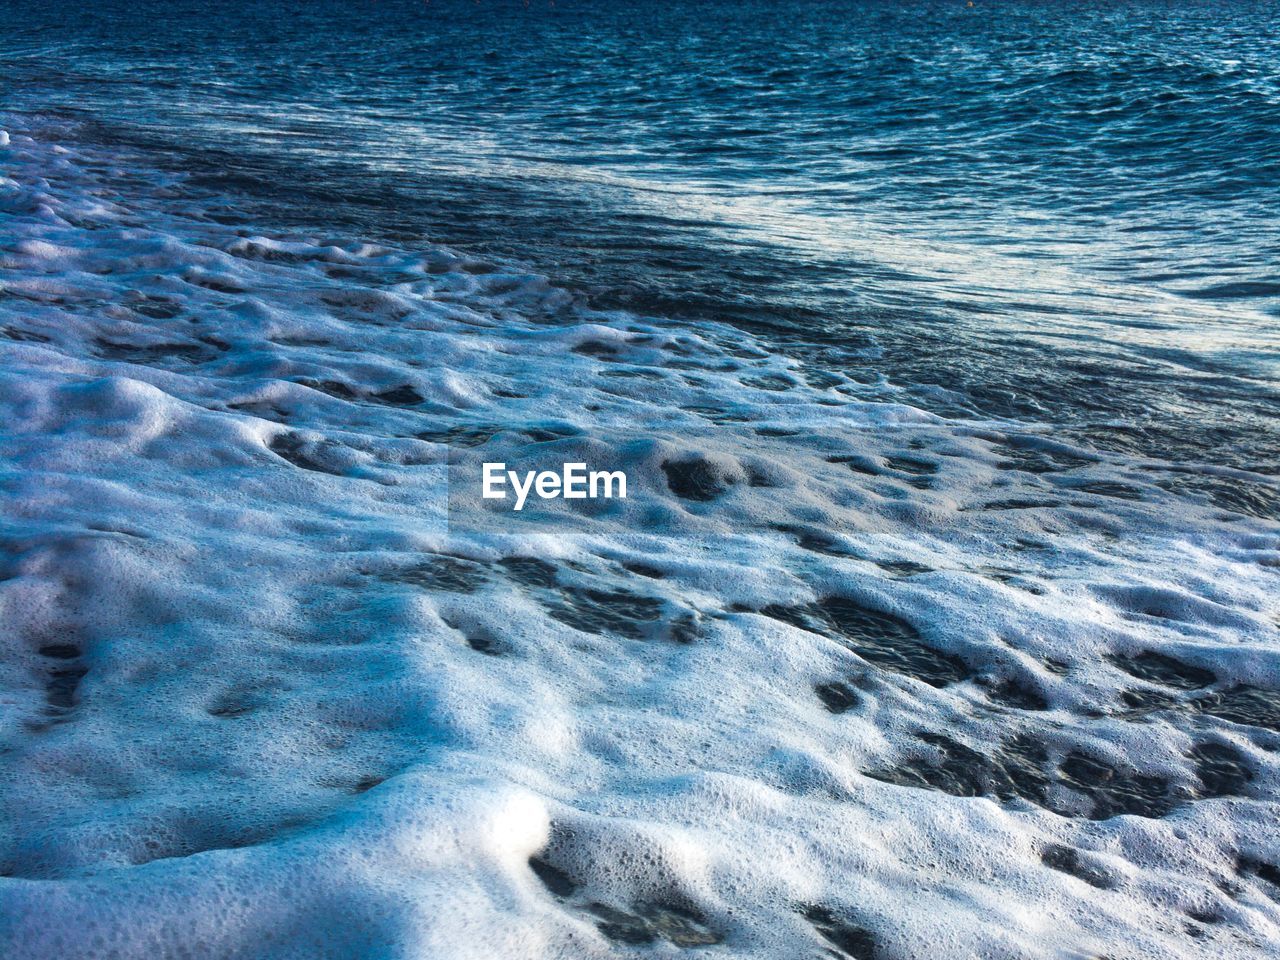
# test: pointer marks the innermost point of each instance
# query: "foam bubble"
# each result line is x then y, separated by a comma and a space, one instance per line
837, 678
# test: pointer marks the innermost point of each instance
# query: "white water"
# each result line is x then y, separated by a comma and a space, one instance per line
257, 700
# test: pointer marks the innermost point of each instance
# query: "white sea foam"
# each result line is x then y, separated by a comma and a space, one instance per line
268, 692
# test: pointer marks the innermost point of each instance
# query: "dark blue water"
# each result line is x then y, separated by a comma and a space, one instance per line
1040, 210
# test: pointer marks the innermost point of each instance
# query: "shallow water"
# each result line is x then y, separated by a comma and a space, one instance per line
938, 347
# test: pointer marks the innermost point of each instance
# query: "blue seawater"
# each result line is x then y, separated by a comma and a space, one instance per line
938, 342
1019, 206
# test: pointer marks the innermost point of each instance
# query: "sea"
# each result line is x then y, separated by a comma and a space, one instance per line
939, 343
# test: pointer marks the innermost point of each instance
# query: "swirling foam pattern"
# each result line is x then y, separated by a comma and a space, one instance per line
842, 676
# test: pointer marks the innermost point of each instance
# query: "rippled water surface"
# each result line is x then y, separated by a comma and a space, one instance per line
1030, 209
